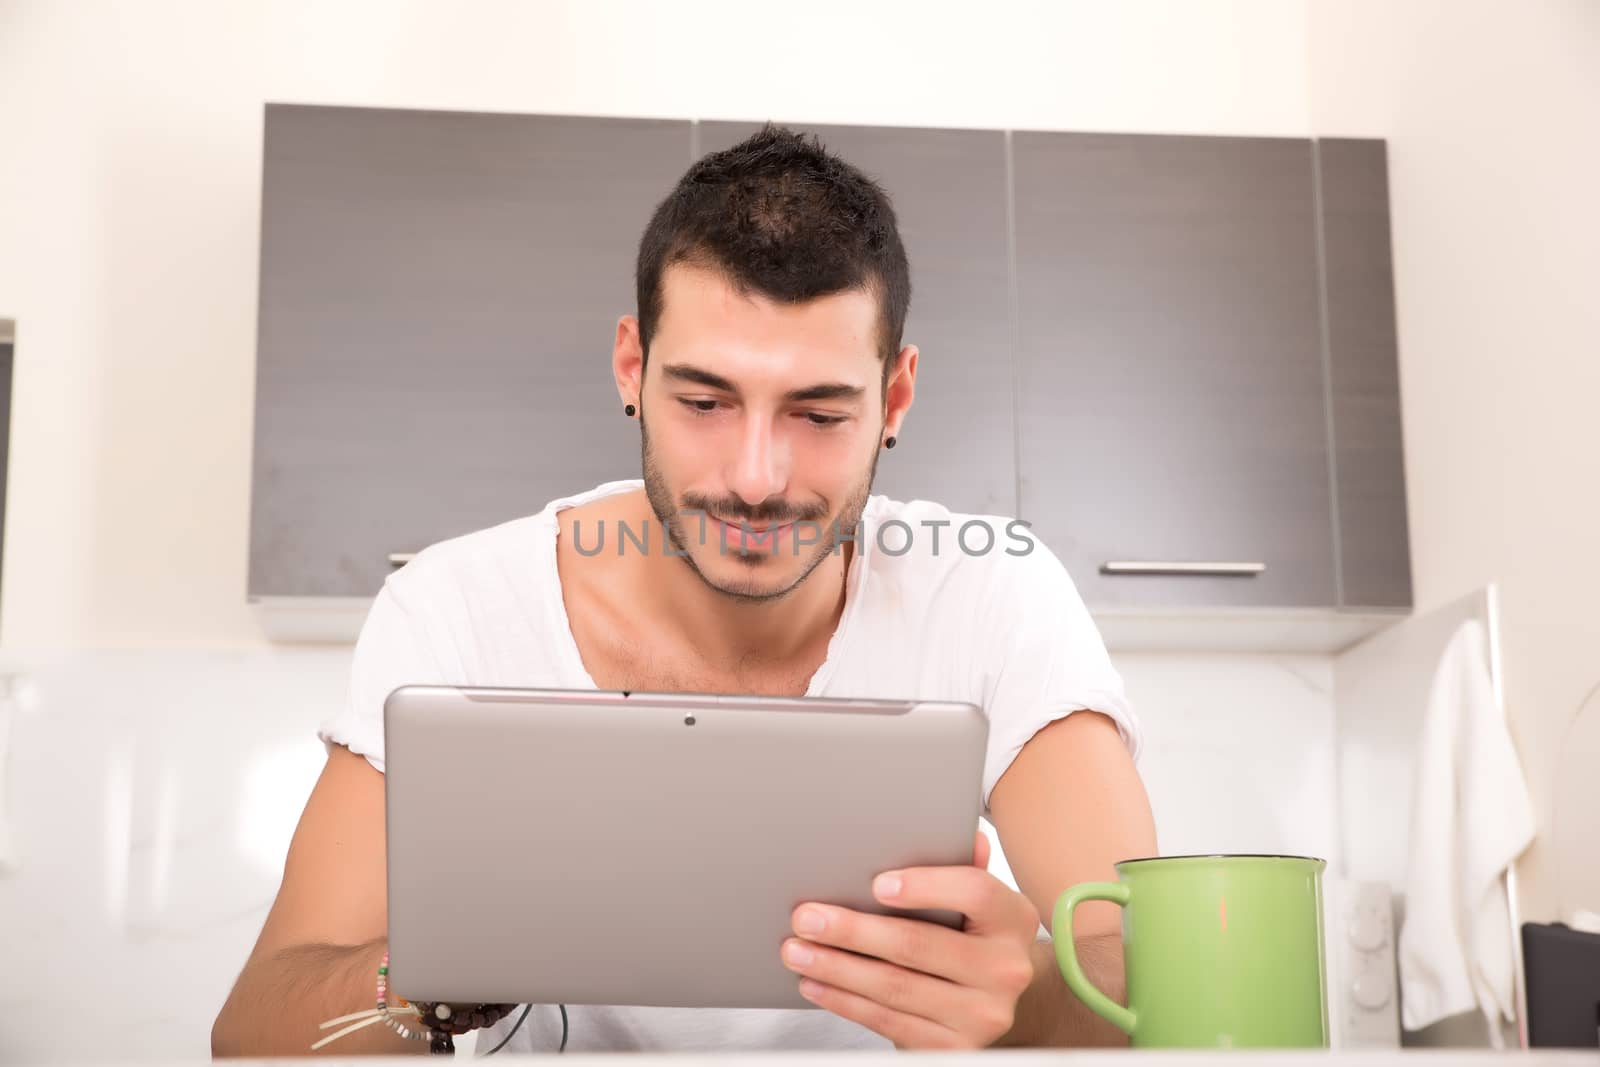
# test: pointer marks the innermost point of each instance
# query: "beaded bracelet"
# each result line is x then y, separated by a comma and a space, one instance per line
391, 1018
443, 1020
383, 1013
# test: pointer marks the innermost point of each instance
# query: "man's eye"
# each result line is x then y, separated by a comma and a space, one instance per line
818, 419
700, 407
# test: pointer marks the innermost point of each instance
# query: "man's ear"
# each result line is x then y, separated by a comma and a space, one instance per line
627, 361
899, 390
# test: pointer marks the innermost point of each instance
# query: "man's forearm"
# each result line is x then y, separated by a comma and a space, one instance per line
1049, 1015
281, 1000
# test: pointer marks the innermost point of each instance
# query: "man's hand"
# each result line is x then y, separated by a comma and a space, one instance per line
919, 984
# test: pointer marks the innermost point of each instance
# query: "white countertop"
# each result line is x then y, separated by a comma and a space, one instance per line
1006, 1058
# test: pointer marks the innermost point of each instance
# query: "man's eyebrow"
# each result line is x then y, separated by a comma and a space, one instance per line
682, 372
826, 391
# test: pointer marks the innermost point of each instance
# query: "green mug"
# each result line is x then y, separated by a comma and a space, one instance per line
1220, 951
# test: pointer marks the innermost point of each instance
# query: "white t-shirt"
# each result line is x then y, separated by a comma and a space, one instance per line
928, 614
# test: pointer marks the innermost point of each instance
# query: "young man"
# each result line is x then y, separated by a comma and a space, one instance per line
765, 371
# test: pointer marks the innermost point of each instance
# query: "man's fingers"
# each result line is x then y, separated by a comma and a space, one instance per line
906, 1031
915, 944
894, 987
987, 902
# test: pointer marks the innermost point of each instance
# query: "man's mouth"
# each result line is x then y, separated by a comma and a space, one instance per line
747, 535
754, 527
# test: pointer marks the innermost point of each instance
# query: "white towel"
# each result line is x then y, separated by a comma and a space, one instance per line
1470, 819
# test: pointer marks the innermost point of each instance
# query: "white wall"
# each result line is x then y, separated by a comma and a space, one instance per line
129, 201
152, 797
1240, 751
1492, 112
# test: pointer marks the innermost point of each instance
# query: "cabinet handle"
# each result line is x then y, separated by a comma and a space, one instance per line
1209, 570
400, 559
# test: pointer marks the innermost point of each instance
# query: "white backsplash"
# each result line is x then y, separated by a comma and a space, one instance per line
152, 796
1239, 753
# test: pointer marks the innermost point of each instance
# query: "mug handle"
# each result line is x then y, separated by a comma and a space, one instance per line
1067, 953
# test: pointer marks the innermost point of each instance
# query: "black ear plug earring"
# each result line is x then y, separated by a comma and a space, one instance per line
889, 443
628, 410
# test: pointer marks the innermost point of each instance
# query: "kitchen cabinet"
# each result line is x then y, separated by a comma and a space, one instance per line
1364, 375
1172, 403
949, 194
438, 298
1169, 354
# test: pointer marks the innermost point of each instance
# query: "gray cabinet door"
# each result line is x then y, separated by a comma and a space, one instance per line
949, 193
1171, 393
439, 296
1369, 458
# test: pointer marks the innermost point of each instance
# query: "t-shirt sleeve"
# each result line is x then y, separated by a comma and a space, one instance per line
1043, 660
392, 650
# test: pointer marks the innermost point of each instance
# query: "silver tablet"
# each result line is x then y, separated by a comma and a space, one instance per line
583, 847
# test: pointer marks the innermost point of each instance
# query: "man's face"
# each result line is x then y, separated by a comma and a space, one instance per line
760, 424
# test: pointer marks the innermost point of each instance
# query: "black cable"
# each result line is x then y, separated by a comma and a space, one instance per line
518, 1025
515, 1027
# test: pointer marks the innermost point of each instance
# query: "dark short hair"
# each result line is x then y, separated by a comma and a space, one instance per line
778, 215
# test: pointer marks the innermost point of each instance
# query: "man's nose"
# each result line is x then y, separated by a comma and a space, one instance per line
761, 466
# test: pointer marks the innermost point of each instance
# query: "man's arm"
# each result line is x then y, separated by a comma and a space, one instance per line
1069, 807
318, 954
